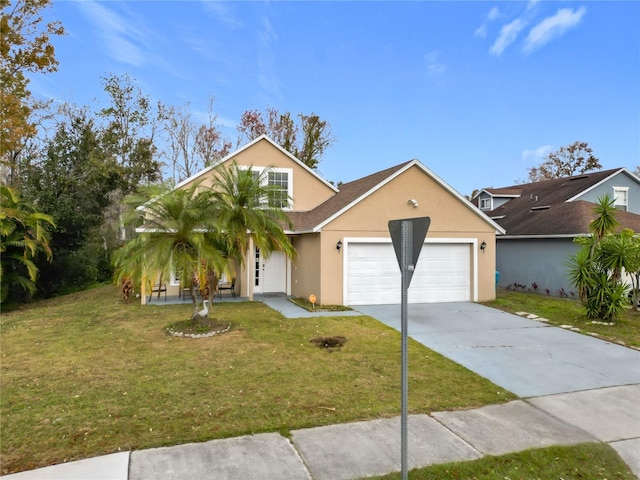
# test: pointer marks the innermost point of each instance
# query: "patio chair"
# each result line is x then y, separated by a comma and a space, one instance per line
227, 286
160, 288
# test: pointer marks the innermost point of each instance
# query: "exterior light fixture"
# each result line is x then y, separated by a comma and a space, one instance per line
483, 245
413, 202
339, 245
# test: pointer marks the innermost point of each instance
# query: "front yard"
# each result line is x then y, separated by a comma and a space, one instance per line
85, 375
570, 313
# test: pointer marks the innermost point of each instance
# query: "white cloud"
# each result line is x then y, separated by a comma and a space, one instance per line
537, 154
123, 35
267, 76
434, 66
531, 5
508, 35
553, 27
117, 33
222, 12
481, 31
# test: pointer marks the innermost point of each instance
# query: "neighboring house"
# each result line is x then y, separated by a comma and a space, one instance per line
344, 250
542, 219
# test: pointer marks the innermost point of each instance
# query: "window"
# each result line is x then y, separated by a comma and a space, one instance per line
282, 179
279, 197
485, 203
621, 198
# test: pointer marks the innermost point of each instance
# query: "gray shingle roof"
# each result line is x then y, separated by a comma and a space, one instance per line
542, 207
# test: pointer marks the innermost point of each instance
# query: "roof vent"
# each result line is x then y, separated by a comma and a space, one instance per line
578, 178
544, 207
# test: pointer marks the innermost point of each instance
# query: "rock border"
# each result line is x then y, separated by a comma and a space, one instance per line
173, 333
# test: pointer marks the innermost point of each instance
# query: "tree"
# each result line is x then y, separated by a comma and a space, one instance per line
191, 147
129, 135
23, 235
596, 269
244, 210
306, 140
25, 47
200, 233
181, 236
574, 159
72, 181
316, 138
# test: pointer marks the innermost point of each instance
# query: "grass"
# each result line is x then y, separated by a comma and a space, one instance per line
565, 311
578, 462
85, 375
307, 305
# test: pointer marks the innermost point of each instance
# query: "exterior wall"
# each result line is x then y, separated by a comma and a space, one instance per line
543, 261
620, 180
308, 190
450, 218
306, 268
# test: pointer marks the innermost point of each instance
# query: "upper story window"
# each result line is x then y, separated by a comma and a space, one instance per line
282, 179
280, 197
621, 198
485, 203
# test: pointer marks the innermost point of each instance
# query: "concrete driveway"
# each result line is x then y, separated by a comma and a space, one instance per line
526, 357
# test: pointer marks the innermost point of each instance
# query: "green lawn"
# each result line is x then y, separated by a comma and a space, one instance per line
85, 375
566, 311
579, 462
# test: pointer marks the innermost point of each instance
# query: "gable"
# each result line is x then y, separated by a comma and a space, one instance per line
622, 179
392, 199
306, 187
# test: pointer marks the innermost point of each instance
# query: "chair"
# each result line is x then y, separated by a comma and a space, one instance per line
227, 286
184, 292
159, 287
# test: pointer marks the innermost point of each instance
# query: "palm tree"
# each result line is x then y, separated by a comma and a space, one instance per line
605, 221
199, 233
23, 235
248, 208
180, 236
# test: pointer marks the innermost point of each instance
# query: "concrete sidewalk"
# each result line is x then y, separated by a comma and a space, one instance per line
361, 449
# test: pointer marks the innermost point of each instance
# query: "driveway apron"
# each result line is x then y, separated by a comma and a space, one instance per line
527, 357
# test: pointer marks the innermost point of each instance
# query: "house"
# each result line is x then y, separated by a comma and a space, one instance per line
344, 250
542, 219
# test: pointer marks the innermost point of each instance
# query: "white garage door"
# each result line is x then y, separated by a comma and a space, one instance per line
443, 274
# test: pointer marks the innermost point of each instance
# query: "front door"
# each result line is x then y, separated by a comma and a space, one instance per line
271, 273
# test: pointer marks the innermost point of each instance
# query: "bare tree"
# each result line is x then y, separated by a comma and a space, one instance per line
574, 159
193, 146
307, 140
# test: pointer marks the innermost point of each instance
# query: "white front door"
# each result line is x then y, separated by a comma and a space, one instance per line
271, 273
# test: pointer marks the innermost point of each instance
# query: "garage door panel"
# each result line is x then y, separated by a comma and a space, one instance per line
443, 274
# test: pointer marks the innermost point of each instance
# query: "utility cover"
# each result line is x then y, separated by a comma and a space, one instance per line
415, 231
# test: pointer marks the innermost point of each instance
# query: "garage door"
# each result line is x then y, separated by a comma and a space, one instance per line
443, 274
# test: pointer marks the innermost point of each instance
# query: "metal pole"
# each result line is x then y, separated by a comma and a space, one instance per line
407, 232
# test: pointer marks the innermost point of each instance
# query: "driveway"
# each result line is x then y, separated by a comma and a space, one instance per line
526, 357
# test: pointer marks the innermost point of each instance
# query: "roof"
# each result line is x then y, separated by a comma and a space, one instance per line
356, 191
551, 208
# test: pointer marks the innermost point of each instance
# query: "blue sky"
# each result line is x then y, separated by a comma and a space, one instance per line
477, 91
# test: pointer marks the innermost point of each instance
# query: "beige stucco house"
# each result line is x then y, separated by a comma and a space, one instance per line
345, 255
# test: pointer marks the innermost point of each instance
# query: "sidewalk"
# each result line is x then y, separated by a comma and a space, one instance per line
361, 449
